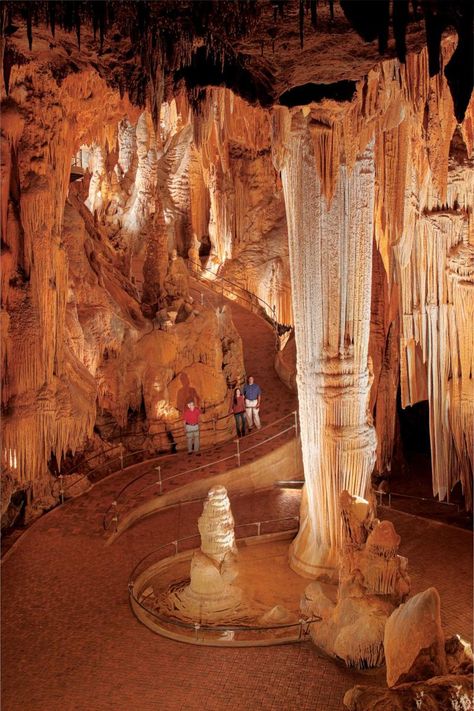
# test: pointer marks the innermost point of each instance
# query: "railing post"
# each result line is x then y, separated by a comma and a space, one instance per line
301, 629
295, 413
259, 527
61, 488
197, 627
159, 482
237, 442
202, 298
115, 517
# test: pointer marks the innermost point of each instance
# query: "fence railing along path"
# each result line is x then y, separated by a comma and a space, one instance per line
134, 448
161, 477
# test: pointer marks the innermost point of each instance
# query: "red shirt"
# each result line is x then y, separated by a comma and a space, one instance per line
238, 405
191, 417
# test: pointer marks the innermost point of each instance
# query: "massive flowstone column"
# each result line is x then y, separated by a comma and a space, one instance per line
331, 265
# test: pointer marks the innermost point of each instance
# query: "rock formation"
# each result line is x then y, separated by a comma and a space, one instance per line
216, 525
254, 142
422, 666
437, 694
210, 596
75, 259
414, 641
372, 583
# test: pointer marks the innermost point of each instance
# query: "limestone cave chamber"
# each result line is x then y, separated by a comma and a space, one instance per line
237, 347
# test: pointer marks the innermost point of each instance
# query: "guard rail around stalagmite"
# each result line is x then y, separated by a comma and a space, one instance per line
199, 632
140, 484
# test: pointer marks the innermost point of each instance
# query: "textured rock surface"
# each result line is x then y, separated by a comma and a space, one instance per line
438, 694
414, 640
216, 525
210, 595
201, 170
372, 582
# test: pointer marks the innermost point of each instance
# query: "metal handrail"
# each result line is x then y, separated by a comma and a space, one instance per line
268, 310
113, 508
396, 494
196, 627
175, 433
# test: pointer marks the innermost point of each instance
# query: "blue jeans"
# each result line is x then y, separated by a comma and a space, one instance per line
240, 423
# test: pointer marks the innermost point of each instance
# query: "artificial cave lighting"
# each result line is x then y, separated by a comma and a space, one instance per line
192, 194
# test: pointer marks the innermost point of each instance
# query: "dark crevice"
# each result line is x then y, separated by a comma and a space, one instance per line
207, 70
306, 93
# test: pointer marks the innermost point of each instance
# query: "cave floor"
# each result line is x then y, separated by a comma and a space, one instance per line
70, 641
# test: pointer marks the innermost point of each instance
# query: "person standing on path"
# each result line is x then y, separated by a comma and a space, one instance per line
191, 426
237, 406
252, 393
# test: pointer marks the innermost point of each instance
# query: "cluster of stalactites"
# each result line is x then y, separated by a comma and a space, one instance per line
423, 206
49, 397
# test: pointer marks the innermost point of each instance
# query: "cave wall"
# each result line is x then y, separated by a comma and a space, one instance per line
96, 319
207, 176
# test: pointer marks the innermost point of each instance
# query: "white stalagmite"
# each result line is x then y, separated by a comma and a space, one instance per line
331, 265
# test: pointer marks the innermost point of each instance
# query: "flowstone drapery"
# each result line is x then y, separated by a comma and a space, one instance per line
331, 265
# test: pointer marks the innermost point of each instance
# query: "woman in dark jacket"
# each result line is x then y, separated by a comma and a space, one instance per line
238, 408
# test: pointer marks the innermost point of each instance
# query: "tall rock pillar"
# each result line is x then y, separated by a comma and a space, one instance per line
331, 265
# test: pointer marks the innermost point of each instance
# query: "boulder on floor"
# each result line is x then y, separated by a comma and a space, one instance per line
414, 640
438, 694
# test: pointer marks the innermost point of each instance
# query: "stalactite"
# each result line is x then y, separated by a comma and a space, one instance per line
54, 397
156, 261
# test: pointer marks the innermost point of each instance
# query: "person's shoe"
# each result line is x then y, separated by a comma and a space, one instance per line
189, 453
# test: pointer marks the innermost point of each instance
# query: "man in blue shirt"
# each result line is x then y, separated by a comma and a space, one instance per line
252, 393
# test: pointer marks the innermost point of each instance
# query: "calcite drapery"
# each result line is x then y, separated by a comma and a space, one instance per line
54, 394
331, 264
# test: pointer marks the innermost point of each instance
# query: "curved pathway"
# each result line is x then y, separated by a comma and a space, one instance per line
71, 643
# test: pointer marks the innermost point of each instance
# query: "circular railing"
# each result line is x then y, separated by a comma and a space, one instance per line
202, 632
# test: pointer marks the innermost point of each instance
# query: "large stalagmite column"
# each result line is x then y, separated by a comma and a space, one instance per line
331, 264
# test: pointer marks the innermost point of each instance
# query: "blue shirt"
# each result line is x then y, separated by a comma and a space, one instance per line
252, 392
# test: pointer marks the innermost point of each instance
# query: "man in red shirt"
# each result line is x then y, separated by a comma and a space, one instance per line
191, 426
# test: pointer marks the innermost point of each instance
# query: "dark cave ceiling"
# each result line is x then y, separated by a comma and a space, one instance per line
267, 51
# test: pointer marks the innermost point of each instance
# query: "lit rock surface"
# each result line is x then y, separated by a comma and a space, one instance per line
216, 525
414, 640
210, 595
372, 582
206, 170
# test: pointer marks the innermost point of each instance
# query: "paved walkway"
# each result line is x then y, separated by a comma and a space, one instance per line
71, 643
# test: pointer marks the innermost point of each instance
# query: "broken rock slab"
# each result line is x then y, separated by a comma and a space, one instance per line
438, 694
414, 640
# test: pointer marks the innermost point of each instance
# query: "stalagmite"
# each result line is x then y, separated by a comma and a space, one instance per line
210, 595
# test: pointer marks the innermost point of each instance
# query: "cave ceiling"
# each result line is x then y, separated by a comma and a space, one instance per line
291, 52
